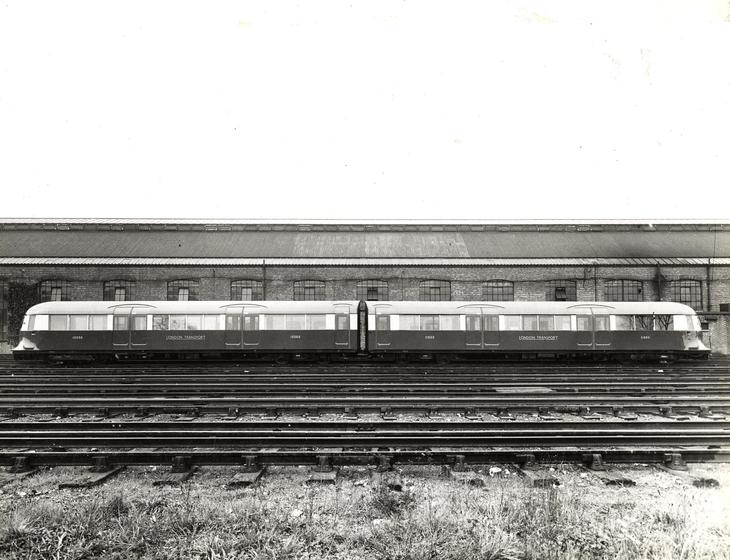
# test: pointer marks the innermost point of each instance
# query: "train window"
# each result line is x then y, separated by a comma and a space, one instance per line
160, 322
121, 322
250, 322
59, 322
512, 322
644, 322
546, 322
342, 322
409, 322
491, 322
472, 323
295, 322
210, 322
680, 323
600, 322
233, 322
382, 322
177, 322
695, 322
663, 323
584, 322
316, 322
429, 322
97, 322
624, 323
78, 322
448, 322
562, 322
139, 323
529, 322
194, 322
275, 322
31, 322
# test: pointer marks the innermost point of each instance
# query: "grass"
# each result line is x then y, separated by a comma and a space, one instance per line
431, 518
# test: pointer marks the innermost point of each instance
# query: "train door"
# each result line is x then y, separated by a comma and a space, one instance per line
120, 328
342, 329
251, 332
601, 332
490, 328
234, 322
584, 337
382, 331
474, 331
138, 331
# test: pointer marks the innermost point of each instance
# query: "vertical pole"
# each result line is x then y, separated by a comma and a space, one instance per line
263, 280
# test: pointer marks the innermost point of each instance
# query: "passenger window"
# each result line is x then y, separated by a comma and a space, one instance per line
429, 322
121, 322
491, 322
472, 322
210, 322
600, 322
681, 323
342, 322
97, 322
643, 322
624, 323
316, 322
58, 322
562, 322
547, 323
382, 322
584, 322
31, 322
233, 322
529, 322
177, 322
663, 323
409, 322
139, 323
78, 322
512, 322
251, 322
295, 323
275, 322
194, 322
160, 322
448, 323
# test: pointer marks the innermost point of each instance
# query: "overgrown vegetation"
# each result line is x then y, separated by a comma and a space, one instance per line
431, 518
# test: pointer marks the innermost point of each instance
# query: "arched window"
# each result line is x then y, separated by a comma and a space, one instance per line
624, 290
182, 290
372, 290
54, 290
309, 290
434, 290
118, 290
247, 290
498, 290
560, 290
688, 292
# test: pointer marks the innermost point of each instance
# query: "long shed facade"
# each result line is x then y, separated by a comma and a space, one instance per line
66, 259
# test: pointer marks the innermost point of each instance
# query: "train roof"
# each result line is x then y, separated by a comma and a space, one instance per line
197, 307
528, 307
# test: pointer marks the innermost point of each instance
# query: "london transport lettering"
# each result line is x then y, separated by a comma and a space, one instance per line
185, 337
538, 337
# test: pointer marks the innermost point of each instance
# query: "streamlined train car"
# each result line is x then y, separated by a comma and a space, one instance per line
173, 328
568, 328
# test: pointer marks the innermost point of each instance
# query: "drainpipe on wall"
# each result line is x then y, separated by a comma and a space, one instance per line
709, 284
263, 280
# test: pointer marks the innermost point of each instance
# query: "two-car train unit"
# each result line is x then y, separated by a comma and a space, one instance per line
359, 330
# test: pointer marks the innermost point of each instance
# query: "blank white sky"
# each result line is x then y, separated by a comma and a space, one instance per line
447, 110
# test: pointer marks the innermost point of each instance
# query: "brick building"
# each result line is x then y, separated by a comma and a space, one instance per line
85, 259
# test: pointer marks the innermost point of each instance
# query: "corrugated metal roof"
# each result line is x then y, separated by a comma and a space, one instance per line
365, 245
120, 261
